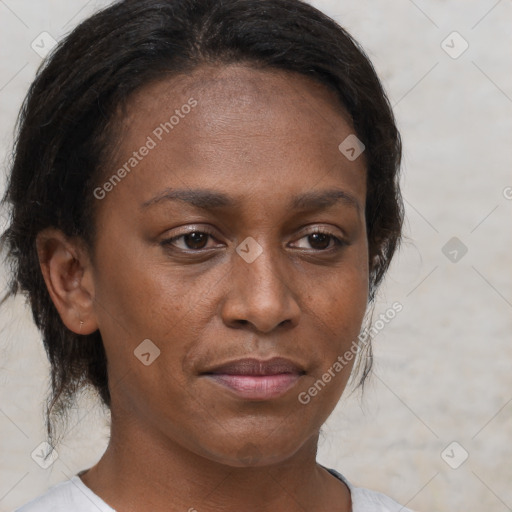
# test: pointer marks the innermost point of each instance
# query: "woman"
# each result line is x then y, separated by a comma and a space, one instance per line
204, 200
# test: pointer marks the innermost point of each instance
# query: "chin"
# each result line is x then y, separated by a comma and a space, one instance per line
253, 451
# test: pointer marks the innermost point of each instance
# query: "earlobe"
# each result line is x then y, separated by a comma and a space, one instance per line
66, 269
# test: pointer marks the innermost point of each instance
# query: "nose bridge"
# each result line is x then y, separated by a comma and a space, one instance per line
260, 292
264, 273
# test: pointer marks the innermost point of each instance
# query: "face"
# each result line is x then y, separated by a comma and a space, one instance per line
235, 237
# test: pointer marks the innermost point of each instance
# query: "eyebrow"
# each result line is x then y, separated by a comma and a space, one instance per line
207, 199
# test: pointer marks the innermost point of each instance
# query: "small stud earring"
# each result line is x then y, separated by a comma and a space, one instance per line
80, 329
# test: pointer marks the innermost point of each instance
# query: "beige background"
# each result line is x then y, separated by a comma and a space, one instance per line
442, 370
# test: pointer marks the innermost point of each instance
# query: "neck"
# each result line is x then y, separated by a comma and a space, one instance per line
142, 470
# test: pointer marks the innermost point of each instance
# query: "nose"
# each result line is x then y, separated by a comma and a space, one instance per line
260, 294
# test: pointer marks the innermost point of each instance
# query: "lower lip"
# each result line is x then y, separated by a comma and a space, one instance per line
257, 387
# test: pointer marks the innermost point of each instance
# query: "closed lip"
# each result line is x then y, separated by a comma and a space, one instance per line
257, 367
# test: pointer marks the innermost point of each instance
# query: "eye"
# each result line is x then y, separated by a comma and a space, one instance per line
197, 241
321, 239
191, 241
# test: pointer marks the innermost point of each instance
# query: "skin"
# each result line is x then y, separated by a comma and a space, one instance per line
261, 137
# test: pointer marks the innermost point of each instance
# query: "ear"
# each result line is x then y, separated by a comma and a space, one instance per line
67, 272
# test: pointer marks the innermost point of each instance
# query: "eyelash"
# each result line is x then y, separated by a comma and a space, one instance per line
169, 241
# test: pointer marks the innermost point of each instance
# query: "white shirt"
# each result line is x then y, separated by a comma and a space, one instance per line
74, 496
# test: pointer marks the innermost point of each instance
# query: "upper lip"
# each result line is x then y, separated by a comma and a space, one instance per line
253, 366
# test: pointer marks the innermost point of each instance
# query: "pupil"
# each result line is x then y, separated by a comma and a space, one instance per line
195, 240
315, 237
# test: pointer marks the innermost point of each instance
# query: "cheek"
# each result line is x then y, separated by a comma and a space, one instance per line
140, 294
344, 294
139, 300
337, 308
339, 312
142, 302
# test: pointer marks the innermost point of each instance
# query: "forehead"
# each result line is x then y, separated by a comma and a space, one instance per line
242, 85
258, 130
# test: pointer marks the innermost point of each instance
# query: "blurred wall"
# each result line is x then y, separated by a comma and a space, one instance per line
434, 426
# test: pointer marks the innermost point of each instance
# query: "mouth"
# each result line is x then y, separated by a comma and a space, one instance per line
254, 379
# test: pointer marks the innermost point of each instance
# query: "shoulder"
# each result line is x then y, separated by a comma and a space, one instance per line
57, 498
366, 500
69, 495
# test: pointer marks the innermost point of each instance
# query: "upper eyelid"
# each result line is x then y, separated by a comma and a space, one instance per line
304, 232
